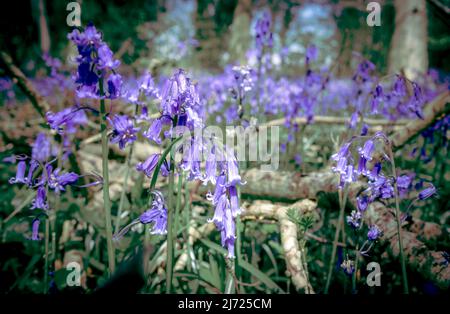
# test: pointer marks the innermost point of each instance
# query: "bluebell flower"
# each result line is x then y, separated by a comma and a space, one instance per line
86, 76
57, 181
148, 165
263, 35
106, 58
20, 174
362, 202
147, 86
33, 166
124, 131
157, 214
35, 229
234, 201
94, 60
362, 162
42, 148
354, 220
228, 233
426, 193
311, 53
348, 266
341, 166
367, 150
374, 233
40, 201
210, 168
221, 206
191, 159
67, 120
219, 190
233, 173
114, 85
364, 129
154, 131
343, 152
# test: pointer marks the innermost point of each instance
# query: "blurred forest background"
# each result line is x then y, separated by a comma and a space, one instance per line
206, 35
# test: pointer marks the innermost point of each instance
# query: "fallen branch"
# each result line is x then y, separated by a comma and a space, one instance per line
433, 265
335, 120
438, 107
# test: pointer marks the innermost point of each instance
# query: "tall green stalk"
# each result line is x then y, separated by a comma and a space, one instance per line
397, 216
125, 182
170, 211
356, 270
46, 257
342, 201
124, 188
105, 173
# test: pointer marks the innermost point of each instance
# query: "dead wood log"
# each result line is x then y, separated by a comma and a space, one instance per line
433, 265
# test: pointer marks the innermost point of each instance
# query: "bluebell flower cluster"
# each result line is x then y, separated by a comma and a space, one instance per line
263, 34
181, 115
41, 176
95, 60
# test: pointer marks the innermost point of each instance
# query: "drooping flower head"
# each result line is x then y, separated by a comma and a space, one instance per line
67, 120
157, 214
426, 193
35, 229
43, 148
40, 201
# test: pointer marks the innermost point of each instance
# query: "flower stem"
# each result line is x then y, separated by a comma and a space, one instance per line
399, 226
124, 188
170, 211
170, 237
356, 270
105, 173
342, 201
46, 256
125, 182
178, 206
187, 221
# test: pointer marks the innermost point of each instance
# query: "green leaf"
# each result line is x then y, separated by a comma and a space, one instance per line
246, 266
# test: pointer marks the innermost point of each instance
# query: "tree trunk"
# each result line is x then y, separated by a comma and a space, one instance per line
409, 53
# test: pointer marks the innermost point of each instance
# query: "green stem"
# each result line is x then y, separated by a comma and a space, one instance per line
356, 270
46, 256
187, 218
125, 181
178, 206
170, 210
342, 201
124, 188
170, 237
230, 284
105, 173
399, 226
